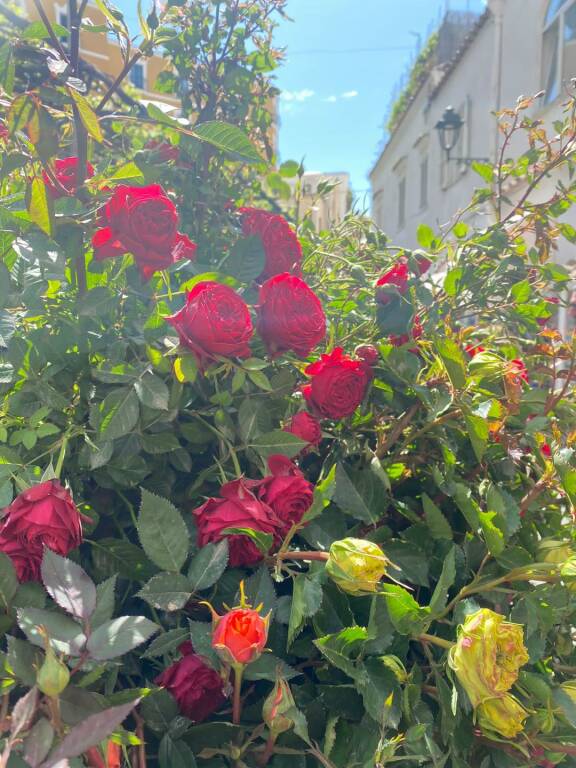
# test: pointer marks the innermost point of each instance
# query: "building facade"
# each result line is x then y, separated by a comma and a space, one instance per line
325, 198
103, 51
515, 48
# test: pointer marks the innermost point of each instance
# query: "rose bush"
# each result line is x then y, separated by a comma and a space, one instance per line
270, 496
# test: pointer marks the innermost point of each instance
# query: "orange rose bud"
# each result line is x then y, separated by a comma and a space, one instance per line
240, 635
276, 708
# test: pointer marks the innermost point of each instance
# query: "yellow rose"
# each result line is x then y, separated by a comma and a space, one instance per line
504, 715
356, 565
487, 655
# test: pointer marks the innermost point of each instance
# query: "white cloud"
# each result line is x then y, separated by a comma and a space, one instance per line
349, 94
331, 99
302, 95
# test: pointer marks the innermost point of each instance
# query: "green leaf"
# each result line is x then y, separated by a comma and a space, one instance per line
453, 359
186, 369
452, 281
7, 67
406, 614
175, 754
252, 419
201, 638
306, 601
438, 525
246, 259
341, 648
87, 115
493, 535
65, 635
8, 581
260, 380
165, 643
116, 556
39, 205
259, 590
229, 138
566, 472
485, 170
68, 585
269, 667
425, 236
166, 591
162, 532
152, 391
105, 599
208, 565
478, 432
446, 580
24, 659
119, 636
118, 413
278, 441
262, 540
360, 493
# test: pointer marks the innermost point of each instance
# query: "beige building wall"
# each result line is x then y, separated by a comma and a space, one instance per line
324, 208
103, 51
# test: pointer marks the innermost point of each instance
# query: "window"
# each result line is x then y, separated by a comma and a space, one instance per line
137, 75
401, 203
558, 47
423, 183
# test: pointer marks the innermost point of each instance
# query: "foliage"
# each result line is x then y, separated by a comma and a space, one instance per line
456, 469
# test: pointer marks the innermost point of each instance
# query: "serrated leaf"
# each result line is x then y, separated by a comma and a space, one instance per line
259, 590
92, 731
120, 557
105, 599
8, 580
65, 635
360, 493
201, 639
186, 369
229, 138
87, 115
453, 359
437, 524
263, 541
118, 413
166, 591
119, 636
39, 205
24, 659
269, 667
162, 532
165, 643
38, 742
23, 712
278, 442
208, 565
68, 585
446, 580
406, 614
246, 259
341, 648
478, 432
152, 391
306, 601
175, 754
492, 534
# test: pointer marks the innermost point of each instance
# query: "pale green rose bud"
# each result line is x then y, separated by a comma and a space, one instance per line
275, 709
504, 715
357, 565
53, 676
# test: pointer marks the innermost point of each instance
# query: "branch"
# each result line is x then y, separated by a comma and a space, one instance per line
116, 83
398, 429
532, 495
53, 36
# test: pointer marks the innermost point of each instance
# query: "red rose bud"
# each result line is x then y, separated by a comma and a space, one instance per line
290, 316
368, 353
196, 687
275, 709
337, 385
473, 349
66, 173
142, 221
546, 450
166, 152
518, 371
214, 322
286, 492
239, 637
42, 516
306, 427
281, 246
237, 507
396, 279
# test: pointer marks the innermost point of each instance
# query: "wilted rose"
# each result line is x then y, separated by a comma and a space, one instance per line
356, 565
501, 714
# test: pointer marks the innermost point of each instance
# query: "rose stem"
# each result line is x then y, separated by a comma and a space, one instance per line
435, 641
237, 703
304, 556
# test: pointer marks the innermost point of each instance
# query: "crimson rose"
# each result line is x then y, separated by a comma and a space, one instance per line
396, 279
196, 687
215, 321
306, 427
338, 384
281, 246
144, 222
368, 353
65, 171
286, 491
42, 516
237, 507
290, 316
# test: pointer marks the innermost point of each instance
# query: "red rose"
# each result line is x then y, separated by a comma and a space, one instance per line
338, 384
237, 507
368, 353
240, 635
42, 516
286, 491
474, 349
423, 264
281, 246
144, 222
65, 171
196, 687
215, 321
519, 371
290, 316
546, 450
306, 427
396, 279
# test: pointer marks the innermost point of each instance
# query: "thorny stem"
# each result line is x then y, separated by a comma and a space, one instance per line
237, 701
53, 36
321, 556
425, 638
268, 750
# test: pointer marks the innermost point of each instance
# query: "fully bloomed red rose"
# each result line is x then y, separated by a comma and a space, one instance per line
306, 427
144, 222
214, 322
368, 353
337, 384
286, 491
237, 507
65, 171
281, 246
395, 279
42, 516
290, 316
239, 637
196, 687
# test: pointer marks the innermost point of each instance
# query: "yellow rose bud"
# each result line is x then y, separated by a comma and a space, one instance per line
53, 675
487, 655
504, 715
356, 565
279, 702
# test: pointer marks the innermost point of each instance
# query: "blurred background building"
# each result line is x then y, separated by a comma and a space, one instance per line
325, 197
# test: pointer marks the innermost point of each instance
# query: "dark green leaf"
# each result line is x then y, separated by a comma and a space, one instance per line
284, 443
166, 591
68, 585
117, 637
162, 532
229, 138
118, 413
208, 565
438, 525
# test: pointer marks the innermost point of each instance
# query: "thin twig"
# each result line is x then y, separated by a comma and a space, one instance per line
397, 431
53, 36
